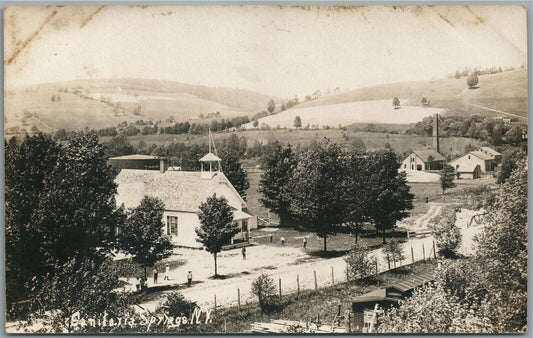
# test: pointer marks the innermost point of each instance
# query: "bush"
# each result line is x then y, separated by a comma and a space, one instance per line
177, 305
447, 235
358, 263
264, 288
394, 250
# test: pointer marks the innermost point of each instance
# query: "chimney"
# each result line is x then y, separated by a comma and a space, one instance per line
163, 164
436, 133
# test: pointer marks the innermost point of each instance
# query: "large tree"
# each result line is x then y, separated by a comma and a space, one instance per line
142, 234
27, 165
503, 249
356, 194
447, 175
216, 225
279, 165
388, 192
271, 106
232, 168
316, 190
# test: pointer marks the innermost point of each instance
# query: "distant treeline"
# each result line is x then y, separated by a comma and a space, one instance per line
479, 71
148, 127
495, 131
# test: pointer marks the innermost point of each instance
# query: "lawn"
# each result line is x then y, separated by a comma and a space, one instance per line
128, 268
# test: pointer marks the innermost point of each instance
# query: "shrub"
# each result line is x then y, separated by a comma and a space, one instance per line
264, 288
447, 235
177, 305
394, 250
358, 263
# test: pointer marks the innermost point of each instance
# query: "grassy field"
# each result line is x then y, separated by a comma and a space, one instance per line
506, 91
343, 114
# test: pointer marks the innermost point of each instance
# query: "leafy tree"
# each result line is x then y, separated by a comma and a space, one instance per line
27, 166
472, 80
142, 234
297, 122
283, 107
425, 101
232, 168
53, 98
77, 214
279, 165
510, 161
256, 123
271, 106
514, 135
388, 191
447, 234
316, 189
447, 175
356, 191
396, 102
216, 225
359, 264
441, 313
118, 146
503, 249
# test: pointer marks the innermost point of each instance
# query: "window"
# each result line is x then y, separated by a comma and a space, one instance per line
172, 225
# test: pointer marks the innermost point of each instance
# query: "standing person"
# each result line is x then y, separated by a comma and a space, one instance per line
244, 253
138, 284
167, 270
271, 237
189, 279
282, 239
155, 275
305, 243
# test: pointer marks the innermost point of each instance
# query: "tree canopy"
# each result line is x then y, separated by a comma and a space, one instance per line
232, 168
216, 225
142, 234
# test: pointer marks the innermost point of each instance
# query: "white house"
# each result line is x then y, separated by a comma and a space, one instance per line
423, 160
487, 159
469, 171
182, 192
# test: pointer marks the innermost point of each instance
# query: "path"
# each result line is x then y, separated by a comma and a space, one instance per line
499, 111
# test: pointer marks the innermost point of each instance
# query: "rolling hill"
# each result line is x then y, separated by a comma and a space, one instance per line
506, 91
98, 103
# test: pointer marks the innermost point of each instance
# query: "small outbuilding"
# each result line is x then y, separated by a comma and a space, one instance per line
468, 171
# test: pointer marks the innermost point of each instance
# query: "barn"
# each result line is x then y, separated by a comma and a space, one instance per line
182, 192
487, 159
419, 160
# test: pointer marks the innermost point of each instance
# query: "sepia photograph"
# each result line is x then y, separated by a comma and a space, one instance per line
265, 169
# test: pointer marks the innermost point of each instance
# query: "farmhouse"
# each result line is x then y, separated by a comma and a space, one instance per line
423, 160
182, 192
487, 159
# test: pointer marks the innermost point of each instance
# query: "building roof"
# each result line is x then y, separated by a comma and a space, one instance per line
135, 157
239, 214
210, 158
490, 151
179, 190
481, 155
467, 167
425, 154
410, 283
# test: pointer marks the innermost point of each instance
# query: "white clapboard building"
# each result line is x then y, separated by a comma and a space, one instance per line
182, 192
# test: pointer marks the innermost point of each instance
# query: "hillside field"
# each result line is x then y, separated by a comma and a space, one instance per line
343, 114
506, 91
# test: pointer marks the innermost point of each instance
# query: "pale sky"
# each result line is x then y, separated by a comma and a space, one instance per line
275, 50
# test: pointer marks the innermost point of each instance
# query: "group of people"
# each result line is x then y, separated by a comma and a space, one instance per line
141, 283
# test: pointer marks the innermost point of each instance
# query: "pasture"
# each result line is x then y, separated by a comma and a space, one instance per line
343, 114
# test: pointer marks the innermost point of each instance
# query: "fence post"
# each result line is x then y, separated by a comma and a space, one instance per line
239, 299
377, 271
332, 277
388, 260
298, 283
347, 275
280, 288
316, 284
423, 252
215, 304
412, 254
